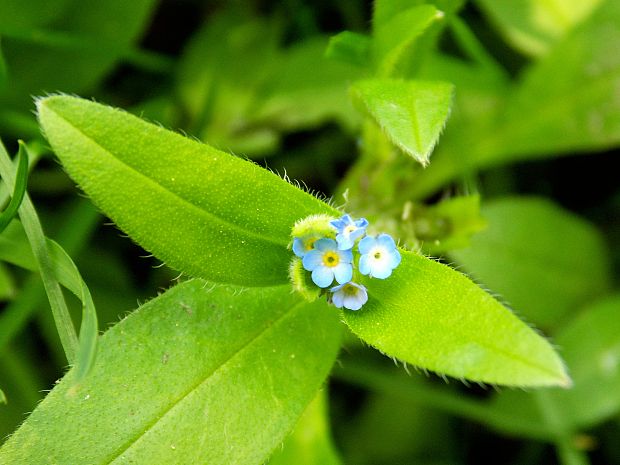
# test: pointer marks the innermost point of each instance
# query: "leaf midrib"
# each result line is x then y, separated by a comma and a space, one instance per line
212, 216
193, 388
486, 345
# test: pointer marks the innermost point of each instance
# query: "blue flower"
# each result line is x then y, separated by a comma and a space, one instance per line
327, 262
303, 245
348, 231
379, 256
349, 295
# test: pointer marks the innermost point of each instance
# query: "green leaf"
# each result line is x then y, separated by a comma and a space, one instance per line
185, 377
310, 443
349, 47
393, 37
21, 181
2, 397
203, 211
534, 26
92, 37
576, 111
591, 347
411, 113
433, 317
542, 259
18, 14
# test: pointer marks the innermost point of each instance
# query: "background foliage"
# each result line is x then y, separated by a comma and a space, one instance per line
520, 192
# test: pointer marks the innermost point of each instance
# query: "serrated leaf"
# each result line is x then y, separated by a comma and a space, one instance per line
533, 26
184, 377
591, 347
411, 113
204, 212
431, 316
349, 47
542, 259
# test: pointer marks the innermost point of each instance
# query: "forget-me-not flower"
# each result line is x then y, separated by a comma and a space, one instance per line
348, 231
326, 262
379, 256
349, 295
301, 246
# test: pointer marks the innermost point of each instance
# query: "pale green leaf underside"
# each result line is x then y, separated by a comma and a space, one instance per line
194, 376
411, 113
543, 260
202, 211
433, 317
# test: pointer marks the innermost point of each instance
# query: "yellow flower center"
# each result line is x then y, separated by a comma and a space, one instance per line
309, 243
349, 289
331, 259
349, 229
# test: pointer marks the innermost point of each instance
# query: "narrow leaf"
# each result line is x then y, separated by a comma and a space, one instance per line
21, 181
411, 113
433, 317
543, 260
2, 397
183, 378
203, 211
38, 244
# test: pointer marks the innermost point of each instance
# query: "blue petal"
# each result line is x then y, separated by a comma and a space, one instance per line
346, 256
357, 234
386, 241
395, 258
325, 244
298, 247
364, 266
338, 299
361, 223
346, 219
344, 242
381, 269
343, 273
322, 276
312, 259
366, 244
337, 224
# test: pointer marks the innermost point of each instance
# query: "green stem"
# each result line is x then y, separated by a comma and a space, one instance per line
34, 232
565, 447
377, 380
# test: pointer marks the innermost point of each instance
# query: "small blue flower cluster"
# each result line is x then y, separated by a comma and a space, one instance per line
331, 259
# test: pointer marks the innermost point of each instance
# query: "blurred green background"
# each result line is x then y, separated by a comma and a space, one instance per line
526, 177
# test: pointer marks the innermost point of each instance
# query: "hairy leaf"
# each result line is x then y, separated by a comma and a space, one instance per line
411, 113
430, 316
543, 260
184, 378
204, 212
310, 443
